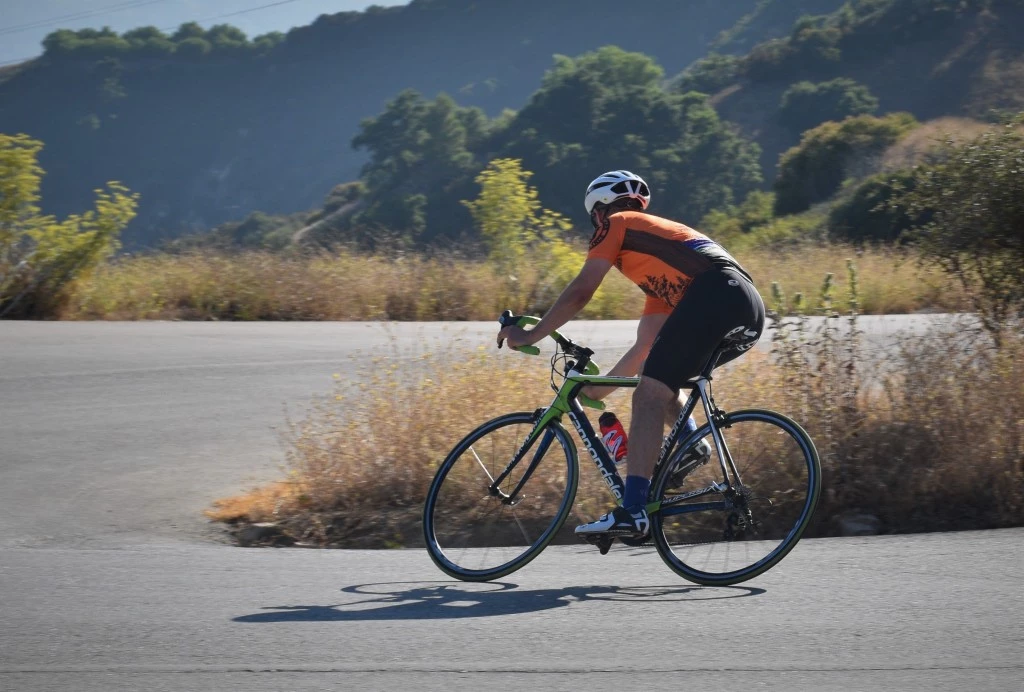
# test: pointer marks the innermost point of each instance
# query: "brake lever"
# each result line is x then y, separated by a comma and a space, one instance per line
505, 320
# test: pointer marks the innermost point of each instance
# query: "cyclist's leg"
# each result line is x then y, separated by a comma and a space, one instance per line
715, 303
651, 400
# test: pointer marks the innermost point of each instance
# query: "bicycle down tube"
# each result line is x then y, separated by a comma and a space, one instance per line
566, 403
698, 389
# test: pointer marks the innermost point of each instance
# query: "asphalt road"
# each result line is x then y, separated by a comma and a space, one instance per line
114, 437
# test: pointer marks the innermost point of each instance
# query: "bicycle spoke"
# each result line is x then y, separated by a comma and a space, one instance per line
767, 513
479, 538
522, 528
480, 461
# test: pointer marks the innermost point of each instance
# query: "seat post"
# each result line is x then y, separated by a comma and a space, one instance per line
712, 362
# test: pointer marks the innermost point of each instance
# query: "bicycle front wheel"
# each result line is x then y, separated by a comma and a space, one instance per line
477, 531
717, 531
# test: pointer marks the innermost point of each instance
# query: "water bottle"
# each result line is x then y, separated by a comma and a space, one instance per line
613, 435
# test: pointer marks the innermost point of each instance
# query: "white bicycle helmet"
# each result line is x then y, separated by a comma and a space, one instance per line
617, 185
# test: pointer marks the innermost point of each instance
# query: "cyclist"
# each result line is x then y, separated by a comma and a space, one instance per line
697, 296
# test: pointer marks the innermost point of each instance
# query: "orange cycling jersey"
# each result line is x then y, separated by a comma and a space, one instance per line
660, 256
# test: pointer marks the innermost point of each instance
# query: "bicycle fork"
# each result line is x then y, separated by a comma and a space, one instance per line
513, 498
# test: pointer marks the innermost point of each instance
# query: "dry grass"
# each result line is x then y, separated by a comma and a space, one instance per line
346, 286
939, 445
890, 281
368, 454
931, 439
264, 501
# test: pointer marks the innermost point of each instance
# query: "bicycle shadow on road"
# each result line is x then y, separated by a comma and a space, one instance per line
459, 600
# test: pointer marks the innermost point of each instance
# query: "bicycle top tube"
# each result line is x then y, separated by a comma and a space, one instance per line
591, 370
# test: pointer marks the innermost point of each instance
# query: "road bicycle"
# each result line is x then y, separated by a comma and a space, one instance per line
504, 492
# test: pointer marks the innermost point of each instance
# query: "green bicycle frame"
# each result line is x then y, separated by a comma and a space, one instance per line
567, 402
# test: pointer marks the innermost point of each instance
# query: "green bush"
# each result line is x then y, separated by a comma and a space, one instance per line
806, 104
709, 75
264, 43
194, 48
867, 215
812, 49
814, 170
149, 41
729, 224
780, 233
971, 207
188, 30
190, 41
41, 257
342, 195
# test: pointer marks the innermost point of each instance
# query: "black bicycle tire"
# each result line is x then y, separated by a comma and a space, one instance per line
436, 552
773, 558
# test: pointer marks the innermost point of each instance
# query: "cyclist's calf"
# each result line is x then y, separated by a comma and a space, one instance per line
652, 402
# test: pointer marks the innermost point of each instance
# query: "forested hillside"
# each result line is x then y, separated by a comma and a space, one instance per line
210, 125
931, 58
907, 60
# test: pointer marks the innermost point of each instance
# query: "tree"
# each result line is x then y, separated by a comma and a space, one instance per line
811, 49
806, 104
227, 39
709, 75
41, 257
607, 110
419, 162
868, 215
602, 110
726, 225
149, 40
814, 170
267, 42
505, 212
519, 230
187, 31
59, 43
194, 48
974, 205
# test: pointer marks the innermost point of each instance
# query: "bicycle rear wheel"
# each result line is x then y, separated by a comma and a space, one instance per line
731, 534
475, 534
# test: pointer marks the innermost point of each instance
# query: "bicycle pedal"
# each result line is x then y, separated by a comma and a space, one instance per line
603, 543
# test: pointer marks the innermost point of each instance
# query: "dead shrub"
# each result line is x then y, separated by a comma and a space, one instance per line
931, 440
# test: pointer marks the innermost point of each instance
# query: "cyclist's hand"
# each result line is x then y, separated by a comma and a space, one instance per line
516, 336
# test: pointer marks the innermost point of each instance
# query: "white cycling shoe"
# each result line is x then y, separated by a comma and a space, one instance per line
619, 522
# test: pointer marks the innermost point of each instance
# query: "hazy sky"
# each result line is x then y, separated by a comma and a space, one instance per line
24, 23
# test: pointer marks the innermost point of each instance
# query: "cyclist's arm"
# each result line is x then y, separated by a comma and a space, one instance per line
633, 359
573, 299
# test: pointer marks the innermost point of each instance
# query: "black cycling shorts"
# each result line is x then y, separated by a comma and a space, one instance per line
720, 303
